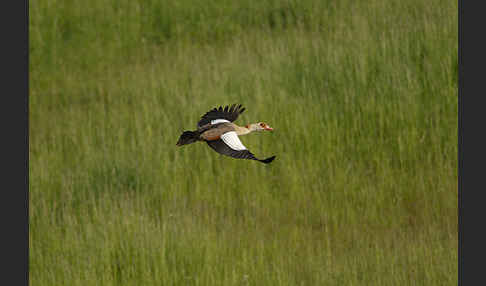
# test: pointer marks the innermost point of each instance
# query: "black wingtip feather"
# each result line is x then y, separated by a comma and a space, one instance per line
268, 160
232, 108
228, 112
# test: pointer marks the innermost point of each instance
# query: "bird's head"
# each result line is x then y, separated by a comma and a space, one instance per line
260, 126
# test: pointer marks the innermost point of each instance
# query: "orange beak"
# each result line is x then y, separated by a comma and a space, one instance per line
268, 128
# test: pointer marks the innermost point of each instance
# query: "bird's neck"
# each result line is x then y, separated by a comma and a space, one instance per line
243, 130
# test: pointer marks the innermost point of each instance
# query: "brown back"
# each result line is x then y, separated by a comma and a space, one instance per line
215, 132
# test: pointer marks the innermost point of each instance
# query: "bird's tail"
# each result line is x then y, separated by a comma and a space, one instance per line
188, 137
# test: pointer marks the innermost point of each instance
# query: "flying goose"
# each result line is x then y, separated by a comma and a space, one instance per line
216, 128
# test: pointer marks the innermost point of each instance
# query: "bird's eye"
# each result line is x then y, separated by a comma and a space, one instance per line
262, 124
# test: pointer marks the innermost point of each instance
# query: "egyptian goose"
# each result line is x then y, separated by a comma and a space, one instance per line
217, 129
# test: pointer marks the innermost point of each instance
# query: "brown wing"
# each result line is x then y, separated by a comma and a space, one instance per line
229, 113
220, 147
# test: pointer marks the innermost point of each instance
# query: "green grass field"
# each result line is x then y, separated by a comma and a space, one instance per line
363, 99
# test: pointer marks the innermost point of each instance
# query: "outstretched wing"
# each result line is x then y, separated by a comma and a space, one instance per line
220, 114
230, 145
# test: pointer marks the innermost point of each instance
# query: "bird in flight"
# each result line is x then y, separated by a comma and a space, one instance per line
217, 129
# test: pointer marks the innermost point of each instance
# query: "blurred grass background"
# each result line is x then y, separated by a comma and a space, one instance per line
363, 99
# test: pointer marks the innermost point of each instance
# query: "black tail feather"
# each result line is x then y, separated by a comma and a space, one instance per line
188, 137
268, 160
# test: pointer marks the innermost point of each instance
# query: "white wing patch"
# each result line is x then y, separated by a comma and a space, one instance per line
232, 140
216, 121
